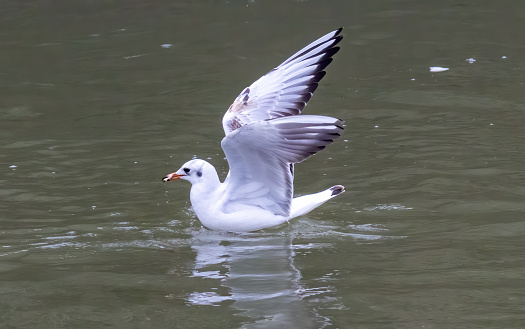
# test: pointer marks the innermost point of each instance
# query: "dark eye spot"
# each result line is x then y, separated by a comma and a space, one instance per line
199, 173
186, 170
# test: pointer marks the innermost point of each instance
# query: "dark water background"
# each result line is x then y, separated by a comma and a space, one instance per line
100, 99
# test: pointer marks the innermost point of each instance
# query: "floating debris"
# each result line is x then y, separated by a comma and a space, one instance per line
438, 69
166, 45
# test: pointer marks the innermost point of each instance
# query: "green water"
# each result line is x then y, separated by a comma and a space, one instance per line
99, 100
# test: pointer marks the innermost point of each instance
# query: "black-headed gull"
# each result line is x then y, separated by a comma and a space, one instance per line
265, 137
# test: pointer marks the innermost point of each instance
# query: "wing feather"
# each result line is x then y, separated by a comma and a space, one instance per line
261, 157
286, 89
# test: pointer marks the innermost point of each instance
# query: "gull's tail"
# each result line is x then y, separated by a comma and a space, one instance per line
306, 203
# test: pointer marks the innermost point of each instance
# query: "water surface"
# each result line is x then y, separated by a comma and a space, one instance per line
99, 100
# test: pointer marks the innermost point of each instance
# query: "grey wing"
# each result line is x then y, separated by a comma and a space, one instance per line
261, 157
286, 89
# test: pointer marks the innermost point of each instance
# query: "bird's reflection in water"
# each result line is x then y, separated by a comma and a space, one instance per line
259, 275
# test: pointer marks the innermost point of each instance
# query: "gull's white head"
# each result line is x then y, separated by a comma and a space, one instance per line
193, 171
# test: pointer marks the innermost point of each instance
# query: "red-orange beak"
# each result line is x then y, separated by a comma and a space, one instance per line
171, 176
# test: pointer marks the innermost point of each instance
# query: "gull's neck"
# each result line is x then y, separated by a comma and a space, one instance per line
205, 194
209, 183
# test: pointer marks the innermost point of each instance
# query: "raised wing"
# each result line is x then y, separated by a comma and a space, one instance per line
261, 157
286, 89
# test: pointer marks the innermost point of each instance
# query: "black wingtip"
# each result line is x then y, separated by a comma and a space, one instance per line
337, 189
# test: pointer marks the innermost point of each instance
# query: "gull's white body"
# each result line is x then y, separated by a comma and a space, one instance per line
208, 199
265, 137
